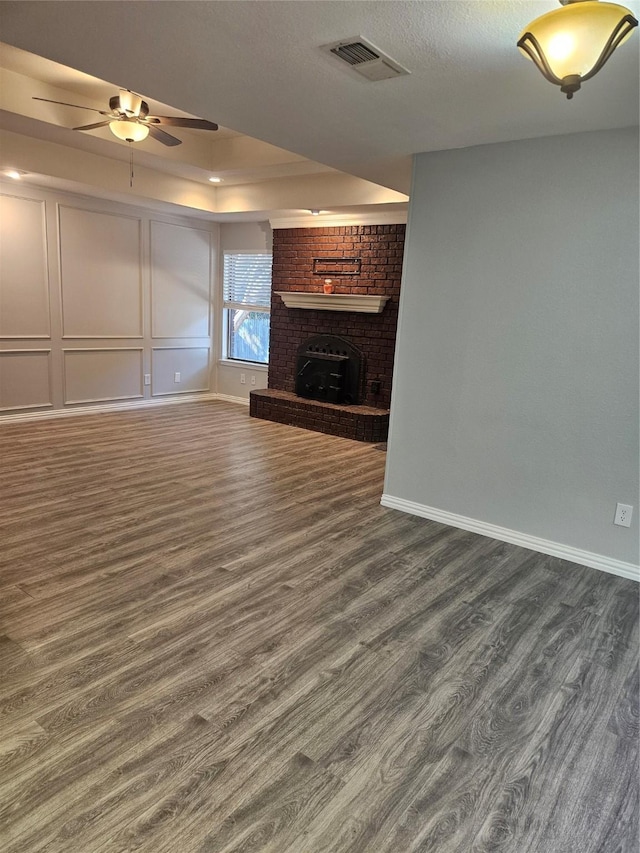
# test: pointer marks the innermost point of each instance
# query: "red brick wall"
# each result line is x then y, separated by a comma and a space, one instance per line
380, 247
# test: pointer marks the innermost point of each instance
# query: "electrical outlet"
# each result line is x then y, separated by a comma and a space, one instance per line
243, 379
623, 515
147, 379
176, 376
253, 380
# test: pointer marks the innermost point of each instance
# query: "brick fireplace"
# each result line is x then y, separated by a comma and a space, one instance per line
302, 259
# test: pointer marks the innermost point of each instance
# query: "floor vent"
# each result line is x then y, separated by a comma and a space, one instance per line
366, 58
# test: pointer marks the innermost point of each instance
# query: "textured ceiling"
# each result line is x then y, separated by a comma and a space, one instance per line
257, 67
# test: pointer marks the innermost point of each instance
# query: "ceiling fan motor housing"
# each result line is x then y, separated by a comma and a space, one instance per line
135, 107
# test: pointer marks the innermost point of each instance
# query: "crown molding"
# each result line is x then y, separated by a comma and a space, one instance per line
307, 220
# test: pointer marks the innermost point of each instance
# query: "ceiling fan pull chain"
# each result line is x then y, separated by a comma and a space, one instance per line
130, 164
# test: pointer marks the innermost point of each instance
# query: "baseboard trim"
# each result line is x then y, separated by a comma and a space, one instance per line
504, 534
243, 401
120, 406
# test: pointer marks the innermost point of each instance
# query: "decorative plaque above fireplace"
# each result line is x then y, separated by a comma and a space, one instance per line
337, 266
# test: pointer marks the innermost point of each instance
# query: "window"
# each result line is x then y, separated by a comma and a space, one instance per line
246, 304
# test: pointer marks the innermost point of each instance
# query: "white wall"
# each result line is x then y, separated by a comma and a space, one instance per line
515, 397
241, 237
94, 295
246, 237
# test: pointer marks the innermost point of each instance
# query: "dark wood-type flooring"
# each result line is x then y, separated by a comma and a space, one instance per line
213, 639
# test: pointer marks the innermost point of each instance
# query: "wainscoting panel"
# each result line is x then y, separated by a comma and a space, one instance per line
79, 277
24, 284
25, 379
192, 363
95, 375
100, 270
180, 281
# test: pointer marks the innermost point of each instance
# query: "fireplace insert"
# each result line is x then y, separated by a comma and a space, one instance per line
329, 368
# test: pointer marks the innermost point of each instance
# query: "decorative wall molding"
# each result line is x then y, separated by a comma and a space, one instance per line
42, 353
92, 258
104, 398
68, 338
333, 301
25, 351
19, 262
78, 228
29, 407
161, 375
328, 220
514, 537
180, 283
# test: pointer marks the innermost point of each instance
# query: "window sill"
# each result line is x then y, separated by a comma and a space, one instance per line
244, 365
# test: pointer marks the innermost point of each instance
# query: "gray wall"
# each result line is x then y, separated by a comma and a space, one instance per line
516, 381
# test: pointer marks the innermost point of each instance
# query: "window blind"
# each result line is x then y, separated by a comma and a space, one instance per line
247, 280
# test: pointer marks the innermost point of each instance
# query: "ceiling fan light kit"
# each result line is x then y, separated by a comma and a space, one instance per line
128, 119
129, 130
571, 44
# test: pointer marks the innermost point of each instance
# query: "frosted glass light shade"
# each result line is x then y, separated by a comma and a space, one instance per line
130, 131
571, 44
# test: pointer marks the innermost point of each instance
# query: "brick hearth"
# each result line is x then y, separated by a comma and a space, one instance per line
363, 423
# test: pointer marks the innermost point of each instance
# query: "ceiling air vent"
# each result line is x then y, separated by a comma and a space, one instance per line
365, 58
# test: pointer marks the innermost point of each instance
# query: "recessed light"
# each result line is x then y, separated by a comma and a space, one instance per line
15, 174
314, 212
216, 180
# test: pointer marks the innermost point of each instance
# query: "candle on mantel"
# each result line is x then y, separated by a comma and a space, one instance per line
328, 285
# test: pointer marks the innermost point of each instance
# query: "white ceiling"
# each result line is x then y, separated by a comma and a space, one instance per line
257, 67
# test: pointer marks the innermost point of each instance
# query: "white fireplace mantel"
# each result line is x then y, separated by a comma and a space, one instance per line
333, 301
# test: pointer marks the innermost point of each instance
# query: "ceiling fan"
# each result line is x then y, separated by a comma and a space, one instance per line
128, 118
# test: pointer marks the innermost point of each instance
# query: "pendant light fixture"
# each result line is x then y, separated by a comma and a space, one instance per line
571, 44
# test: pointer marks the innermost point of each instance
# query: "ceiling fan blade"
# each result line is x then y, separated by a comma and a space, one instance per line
92, 126
65, 104
161, 136
177, 121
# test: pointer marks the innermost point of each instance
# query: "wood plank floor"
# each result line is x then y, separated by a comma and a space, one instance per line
213, 639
